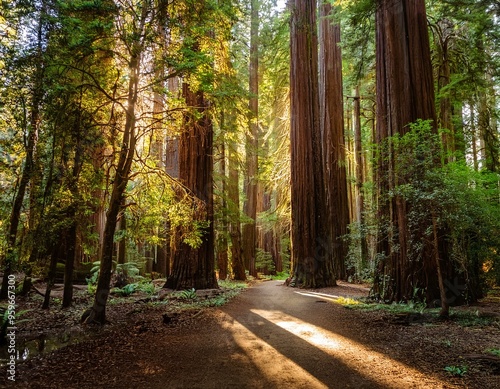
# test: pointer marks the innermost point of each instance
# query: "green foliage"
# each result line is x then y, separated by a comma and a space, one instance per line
146, 287
264, 261
463, 203
394, 308
157, 199
188, 294
92, 280
358, 268
447, 343
456, 370
128, 269
281, 275
232, 285
494, 351
472, 319
126, 290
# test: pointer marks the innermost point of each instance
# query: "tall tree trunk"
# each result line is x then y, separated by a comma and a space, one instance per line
233, 193
222, 247
159, 136
121, 254
29, 163
312, 264
490, 145
444, 33
358, 155
473, 132
194, 267
71, 237
332, 131
405, 93
97, 314
249, 229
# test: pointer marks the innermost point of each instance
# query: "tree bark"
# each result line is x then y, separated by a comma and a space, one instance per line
97, 313
249, 240
233, 192
405, 93
358, 155
194, 267
312, 265
222, 244
29, 162
332, 132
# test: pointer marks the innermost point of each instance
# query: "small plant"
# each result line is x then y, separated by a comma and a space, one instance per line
230, 284
128, 289
281, 275
458, 371
447, 343
494, 351
188, 294
146, 287
346, 301
472, 319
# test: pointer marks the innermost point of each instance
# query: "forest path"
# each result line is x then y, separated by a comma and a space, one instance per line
270, 336
273, 336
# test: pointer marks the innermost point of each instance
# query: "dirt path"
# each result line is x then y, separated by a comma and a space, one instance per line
270, 336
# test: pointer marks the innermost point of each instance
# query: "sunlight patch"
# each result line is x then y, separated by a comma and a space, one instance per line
372, 364
274, 365
331, 297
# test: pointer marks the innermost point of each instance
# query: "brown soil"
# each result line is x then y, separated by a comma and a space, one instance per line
270, 336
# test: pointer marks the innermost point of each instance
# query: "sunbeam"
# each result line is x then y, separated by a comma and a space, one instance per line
369, 363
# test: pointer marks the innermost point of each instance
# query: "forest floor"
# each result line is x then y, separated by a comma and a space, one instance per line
268, 336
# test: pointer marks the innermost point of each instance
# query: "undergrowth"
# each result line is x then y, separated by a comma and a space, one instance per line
462, 318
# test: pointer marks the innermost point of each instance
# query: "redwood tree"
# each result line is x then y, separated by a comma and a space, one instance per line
405, 93
249, 237
332, 132
312, 265
193, 267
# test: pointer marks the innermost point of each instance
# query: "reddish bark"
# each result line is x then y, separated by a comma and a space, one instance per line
311, 262
332, 132
194, 267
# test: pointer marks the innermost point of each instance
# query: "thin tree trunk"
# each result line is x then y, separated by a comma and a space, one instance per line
249, 229
29, 162
473, 132
97, 313
237, 263
358, 155
445, 308
57, 249
222, 248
